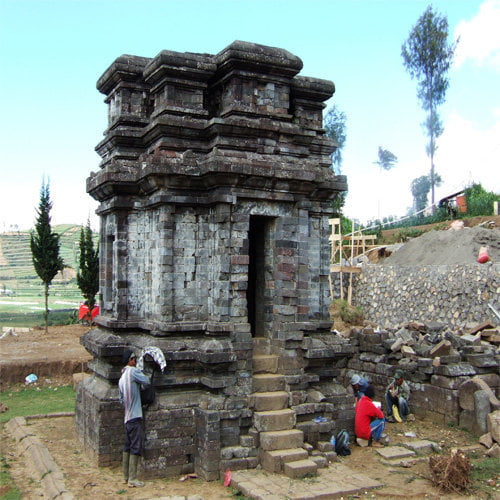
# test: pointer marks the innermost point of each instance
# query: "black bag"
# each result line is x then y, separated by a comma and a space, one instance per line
148, 394
342, 443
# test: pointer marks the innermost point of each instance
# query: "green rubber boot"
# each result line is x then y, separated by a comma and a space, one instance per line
133, 482
125, 465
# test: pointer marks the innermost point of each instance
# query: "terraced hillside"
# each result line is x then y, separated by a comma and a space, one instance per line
17, 274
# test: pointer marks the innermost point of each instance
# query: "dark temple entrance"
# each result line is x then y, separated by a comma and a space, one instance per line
260, 270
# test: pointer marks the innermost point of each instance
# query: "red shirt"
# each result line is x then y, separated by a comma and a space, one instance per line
366, 411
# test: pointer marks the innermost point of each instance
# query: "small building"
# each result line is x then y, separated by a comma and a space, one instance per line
215, 189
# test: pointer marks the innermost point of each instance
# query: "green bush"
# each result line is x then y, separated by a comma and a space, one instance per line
352, 315
480, 201
407, 233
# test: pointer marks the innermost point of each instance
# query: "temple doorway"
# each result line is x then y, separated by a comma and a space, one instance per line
260, 271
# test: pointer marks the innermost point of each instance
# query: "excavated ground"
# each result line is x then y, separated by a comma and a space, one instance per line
61, 347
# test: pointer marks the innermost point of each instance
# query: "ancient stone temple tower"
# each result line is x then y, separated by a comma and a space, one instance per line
215, 189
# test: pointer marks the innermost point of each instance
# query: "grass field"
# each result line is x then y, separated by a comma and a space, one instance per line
30, 401
22, 300
33, 400
28, 311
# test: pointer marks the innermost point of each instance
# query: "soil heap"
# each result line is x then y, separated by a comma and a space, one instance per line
448, 247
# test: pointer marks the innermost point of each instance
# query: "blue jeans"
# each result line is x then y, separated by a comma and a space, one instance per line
400, 402
377, 427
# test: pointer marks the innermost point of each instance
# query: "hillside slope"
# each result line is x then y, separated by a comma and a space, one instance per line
16, 267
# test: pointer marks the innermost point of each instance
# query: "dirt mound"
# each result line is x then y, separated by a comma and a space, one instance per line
449, 247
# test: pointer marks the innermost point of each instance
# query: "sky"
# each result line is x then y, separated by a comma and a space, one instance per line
53, 51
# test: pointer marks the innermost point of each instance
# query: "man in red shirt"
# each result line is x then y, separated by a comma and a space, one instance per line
369, 421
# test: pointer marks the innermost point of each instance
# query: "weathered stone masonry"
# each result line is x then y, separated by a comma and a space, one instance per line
447, 299
456, 295
215, 190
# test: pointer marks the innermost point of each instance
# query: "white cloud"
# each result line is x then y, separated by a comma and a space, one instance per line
468, 154
480, 37
71, 205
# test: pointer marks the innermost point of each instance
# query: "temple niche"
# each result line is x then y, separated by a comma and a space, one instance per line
215, 189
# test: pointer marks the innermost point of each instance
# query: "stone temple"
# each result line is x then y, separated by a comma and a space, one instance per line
215, 189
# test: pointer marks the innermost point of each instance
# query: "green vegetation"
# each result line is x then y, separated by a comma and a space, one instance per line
427, 56
480, 201
420, 188
335, 128
238, 495
386, 159
10, 317
88, 273
484, 471
7, 485
335, 122
408, 233
45, 245
21, 291
32, 400
352, 315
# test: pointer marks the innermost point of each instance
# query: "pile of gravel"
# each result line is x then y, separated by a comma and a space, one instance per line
448, 247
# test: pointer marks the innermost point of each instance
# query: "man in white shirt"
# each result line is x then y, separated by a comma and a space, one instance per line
130, 397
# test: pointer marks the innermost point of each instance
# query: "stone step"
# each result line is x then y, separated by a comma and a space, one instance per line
261, 346
268, 382
230, 452
421, 446
281, 440
274, 420
274, 460
265, 363
264, 401
392, 452
300, 468
320, 460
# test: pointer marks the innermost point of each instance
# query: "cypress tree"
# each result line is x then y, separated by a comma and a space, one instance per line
87, 277
45, 247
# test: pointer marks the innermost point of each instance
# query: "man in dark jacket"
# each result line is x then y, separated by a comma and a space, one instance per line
396, 398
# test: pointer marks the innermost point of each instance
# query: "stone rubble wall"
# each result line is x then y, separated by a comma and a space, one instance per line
457, 295
436, 383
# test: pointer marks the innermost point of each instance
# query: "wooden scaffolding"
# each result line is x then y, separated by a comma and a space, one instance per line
343, 251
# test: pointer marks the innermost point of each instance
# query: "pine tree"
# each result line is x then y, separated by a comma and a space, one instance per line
45, 247
87, 277
427, 57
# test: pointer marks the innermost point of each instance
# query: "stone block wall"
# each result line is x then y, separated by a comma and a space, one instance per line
456, 295
215, 190
435, 386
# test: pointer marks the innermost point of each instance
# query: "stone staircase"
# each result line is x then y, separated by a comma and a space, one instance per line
281, 447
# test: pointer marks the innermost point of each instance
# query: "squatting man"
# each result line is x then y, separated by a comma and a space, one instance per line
396, 398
